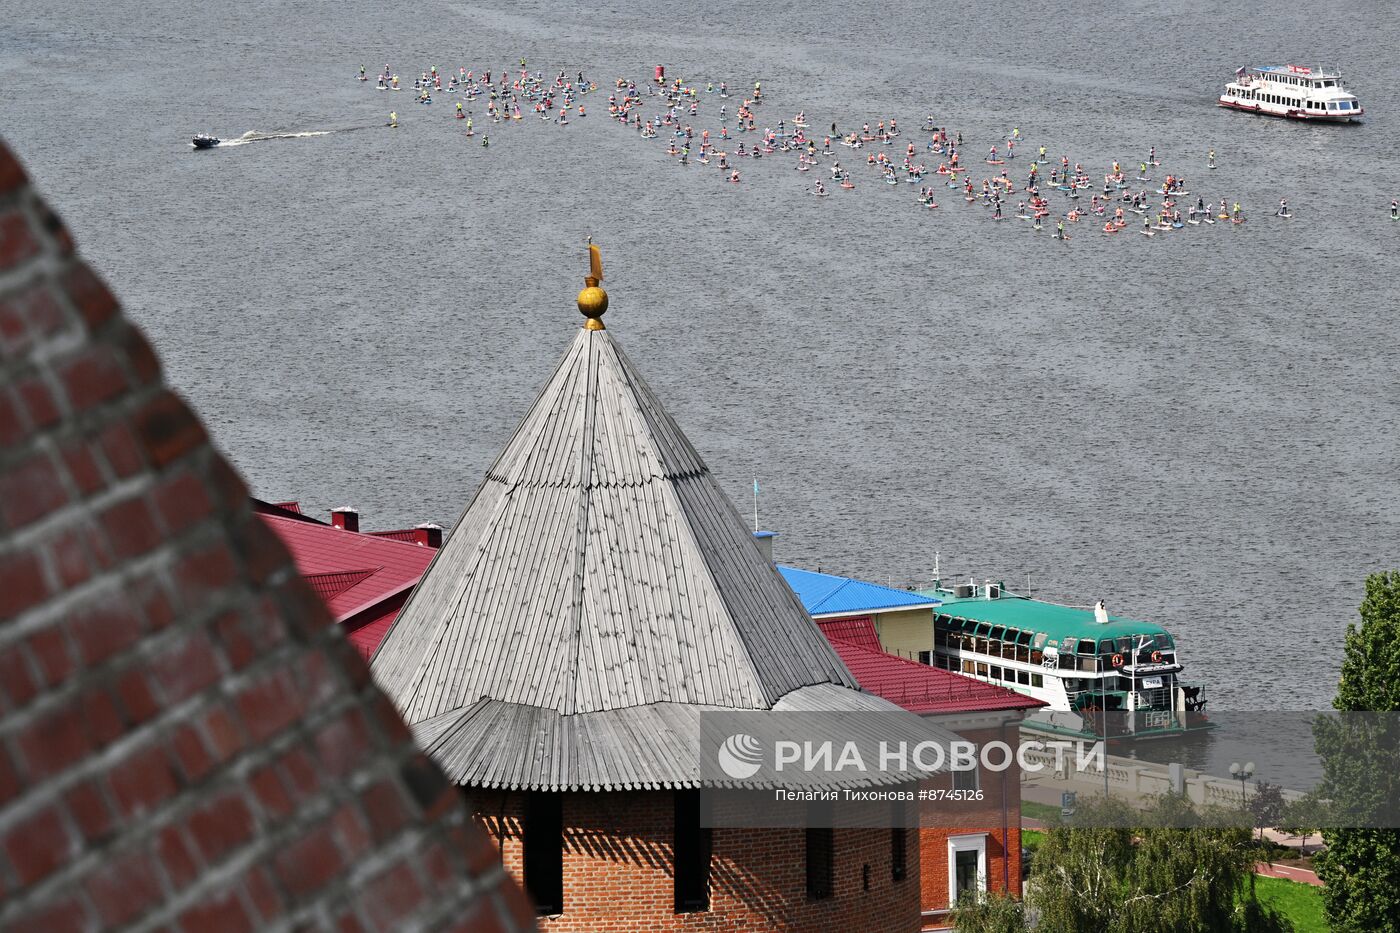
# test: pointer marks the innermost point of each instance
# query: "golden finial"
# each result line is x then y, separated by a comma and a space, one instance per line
593, 301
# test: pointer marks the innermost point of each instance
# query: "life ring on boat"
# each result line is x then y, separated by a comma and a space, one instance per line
1117, 660
1156, 657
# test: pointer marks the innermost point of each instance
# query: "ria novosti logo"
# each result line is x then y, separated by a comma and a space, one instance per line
740, 756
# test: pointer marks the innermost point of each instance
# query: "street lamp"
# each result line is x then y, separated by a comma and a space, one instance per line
1242, 774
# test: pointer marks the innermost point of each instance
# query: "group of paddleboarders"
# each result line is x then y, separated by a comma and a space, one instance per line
503, 92
634, 104
678, 107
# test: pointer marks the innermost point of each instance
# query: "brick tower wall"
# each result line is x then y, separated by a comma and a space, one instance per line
618, 871
1001, 806
186, 741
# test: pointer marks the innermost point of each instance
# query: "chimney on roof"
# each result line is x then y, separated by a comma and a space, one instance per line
346, 518
764, 540
427, 534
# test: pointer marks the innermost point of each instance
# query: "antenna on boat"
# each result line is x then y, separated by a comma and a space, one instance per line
937, 577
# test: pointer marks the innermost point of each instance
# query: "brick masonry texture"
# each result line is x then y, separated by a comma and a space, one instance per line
618, 871
186, 742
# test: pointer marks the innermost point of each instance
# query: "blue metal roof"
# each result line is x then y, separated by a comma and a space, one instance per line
827, 594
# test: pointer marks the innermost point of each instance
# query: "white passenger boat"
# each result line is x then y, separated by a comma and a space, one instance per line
1082, 662
1293, 91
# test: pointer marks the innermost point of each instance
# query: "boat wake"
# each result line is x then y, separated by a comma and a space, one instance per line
253, 136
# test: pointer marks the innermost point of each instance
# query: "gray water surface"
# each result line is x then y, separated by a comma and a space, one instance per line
1199, 428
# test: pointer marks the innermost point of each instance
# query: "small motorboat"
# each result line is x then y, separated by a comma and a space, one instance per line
204, 141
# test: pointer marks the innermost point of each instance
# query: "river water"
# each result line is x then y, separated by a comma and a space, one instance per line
1199, 428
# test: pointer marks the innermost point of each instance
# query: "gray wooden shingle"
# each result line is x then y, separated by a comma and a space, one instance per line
598, 572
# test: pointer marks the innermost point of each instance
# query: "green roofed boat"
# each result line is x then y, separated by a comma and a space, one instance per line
1082, 662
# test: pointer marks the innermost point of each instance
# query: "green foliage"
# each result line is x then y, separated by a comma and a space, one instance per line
1183, 871
1361, 867
1266, 805
1361, 874
1371, 667
1306, 816
991, 913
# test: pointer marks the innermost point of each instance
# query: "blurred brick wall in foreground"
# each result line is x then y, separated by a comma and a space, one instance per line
187, 741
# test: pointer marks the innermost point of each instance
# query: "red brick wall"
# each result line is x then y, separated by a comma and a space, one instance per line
617, 871
986, 817
186, 741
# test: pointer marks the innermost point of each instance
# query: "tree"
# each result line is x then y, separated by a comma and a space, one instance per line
1361, 867
1168, 868
1305, 816
1266, 806
991, 913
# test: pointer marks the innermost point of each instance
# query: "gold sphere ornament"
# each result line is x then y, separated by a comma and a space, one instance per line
592, 302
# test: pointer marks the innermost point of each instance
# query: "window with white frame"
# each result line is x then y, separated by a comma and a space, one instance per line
967, 867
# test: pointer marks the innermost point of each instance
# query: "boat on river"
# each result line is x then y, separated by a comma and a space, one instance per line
1293, 91
1095, 671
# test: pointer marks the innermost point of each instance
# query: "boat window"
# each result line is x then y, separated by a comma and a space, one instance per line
1037, 680
1106, 646
1036, 656
967, 667
1086, 647
996, 672
1023, 677
1039, 640
981, 669
1124, 645
1088, 664
1067, 661
1024, 638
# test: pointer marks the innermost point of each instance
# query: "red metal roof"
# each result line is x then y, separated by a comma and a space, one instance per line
917, 687
363, 578
856, 630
